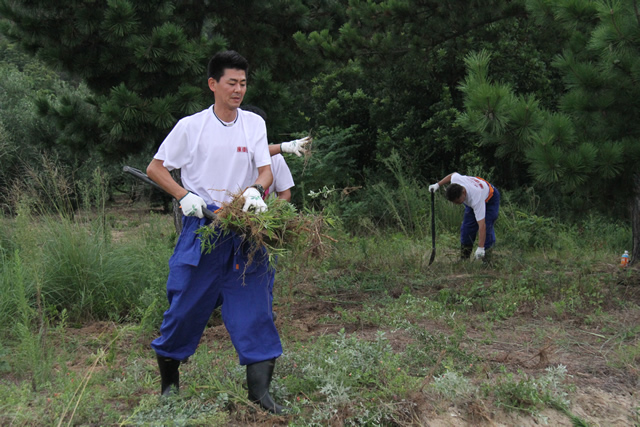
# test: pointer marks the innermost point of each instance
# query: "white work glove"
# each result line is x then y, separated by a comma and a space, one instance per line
479, 253
253, 200
192, 204
296, 147
433, 188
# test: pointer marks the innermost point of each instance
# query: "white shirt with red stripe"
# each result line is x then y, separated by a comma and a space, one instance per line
216, 161
477, 192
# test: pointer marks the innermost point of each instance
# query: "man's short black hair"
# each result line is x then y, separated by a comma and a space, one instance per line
226, 59
454, 191
259, 111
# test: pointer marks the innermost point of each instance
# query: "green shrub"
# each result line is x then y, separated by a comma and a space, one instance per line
597, 232
527, 231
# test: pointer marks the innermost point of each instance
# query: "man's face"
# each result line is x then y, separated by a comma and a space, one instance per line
230, 90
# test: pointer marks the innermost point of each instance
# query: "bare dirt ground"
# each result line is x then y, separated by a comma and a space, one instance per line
604, 396
528, 342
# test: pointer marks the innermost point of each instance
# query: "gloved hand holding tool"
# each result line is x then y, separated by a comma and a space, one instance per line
192, 204
253, 200
143, 177
479, 253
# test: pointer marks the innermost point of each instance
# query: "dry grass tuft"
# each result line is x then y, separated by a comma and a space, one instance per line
281, 229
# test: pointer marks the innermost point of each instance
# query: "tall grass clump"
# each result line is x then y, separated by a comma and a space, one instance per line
87, 275
44, 189
71, 255
7, 306
448, 215
405, 204
599, 233
15, 291
25, 323
523, 230
389, 253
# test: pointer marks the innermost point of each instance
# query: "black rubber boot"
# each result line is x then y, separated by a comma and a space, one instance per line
465, 252
169, 374
258, 381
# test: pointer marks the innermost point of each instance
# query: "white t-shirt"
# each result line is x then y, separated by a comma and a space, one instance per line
282, 179
216, 161
477, 193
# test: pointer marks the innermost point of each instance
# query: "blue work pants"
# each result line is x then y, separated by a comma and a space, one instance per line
469, 227
200, 282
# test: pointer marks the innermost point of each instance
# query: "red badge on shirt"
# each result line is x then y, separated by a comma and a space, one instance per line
242, 149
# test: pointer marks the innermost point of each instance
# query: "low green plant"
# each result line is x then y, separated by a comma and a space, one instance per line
627, 356
149, 309
399, 313
340, 370
454, 386
579, 295
436, 353
529, 394
177, 411
501, 298
34, 352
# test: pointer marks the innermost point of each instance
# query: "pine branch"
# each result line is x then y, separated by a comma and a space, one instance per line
635, 8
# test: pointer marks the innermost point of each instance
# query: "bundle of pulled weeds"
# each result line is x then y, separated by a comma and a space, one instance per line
280, 229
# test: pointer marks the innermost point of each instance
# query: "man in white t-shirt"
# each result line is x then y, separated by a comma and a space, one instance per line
482, 205
282, 179
220, 151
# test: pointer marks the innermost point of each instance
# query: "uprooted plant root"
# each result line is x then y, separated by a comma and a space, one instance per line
280, 229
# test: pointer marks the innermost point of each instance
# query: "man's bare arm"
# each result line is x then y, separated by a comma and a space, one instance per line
161, 176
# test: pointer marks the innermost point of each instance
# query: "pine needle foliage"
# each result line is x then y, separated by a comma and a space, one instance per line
279, 230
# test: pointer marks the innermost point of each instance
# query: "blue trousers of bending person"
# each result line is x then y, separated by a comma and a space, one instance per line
469, 227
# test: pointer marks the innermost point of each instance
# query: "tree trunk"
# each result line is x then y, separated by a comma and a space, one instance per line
635, 219
177, 212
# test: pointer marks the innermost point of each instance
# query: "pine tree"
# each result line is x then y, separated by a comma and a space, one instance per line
145, 61
393, 81
588, 146
141, 60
